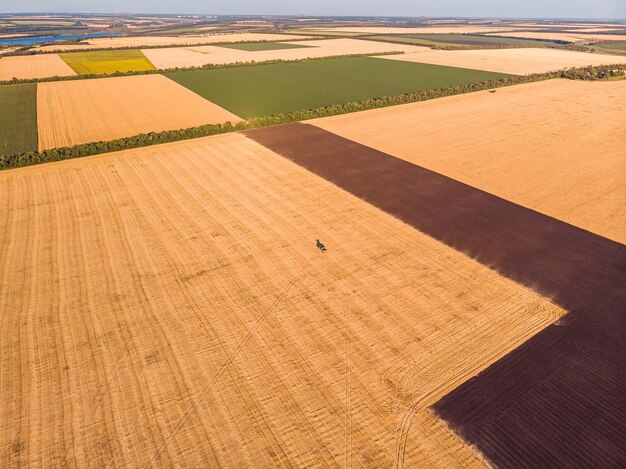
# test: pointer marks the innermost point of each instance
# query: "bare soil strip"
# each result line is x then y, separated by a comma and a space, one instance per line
556, 146
564, 388
169, 305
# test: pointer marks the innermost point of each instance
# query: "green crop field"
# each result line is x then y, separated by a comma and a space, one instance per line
270, 89
258, 46
108, 61
18, 118
612, 45
465, 41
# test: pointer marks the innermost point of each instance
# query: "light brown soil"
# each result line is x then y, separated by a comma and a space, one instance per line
514, 61
33, 66
168, 305
73, 112
554, 146
202, 55
140, 41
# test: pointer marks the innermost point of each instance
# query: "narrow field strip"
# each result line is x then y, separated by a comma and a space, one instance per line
18, 118
149, 319
578, 270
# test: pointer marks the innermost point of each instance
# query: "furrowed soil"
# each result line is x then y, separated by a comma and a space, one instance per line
203, 55
83, 111
269, 89
516, 61
554, 146
168, 305
33, 66
18, 118
102, 62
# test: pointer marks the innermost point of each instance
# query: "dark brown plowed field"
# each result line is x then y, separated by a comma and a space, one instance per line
559, 400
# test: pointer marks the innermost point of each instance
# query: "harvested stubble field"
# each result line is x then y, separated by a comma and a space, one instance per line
566, 160
175, 310
520, 61
145, 41
33, 66
83, 111
203, 55
566, 384
18, 118
105, 62
285, 87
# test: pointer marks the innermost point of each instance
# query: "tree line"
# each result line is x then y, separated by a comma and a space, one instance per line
153, 138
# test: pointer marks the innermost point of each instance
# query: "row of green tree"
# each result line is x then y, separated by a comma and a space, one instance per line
153, 138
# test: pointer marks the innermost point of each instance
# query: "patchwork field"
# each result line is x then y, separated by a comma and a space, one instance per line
74, 112
513, 61
181, 309
142, 41
418, 30
33, 66
568, 37
18, 118
563, 384
203, 55
461, 40
566, 160
278, 88
103, 62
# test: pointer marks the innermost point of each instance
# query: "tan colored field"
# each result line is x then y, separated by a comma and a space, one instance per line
202, 55
33, 66
168, 306
570, 37
419, 30
142, 41
520, 61
74, 112
556, 146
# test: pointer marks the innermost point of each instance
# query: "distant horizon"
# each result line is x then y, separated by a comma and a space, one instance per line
304, 15
505, 9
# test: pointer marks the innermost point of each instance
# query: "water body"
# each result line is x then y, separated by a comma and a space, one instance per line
24, 41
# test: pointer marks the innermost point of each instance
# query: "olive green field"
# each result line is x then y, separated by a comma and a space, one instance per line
107, 61
613, 45
265, 90
18, 118
461, 41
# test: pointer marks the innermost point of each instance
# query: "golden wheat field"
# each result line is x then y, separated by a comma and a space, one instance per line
33, 66
555, 146
522, 61
168, 306
202, 55
82, 111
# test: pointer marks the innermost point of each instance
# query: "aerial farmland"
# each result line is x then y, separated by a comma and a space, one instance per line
312, 241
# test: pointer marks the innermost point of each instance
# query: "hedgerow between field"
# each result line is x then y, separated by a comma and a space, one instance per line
57, 154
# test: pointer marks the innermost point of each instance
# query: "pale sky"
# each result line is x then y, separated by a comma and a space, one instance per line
461, 8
